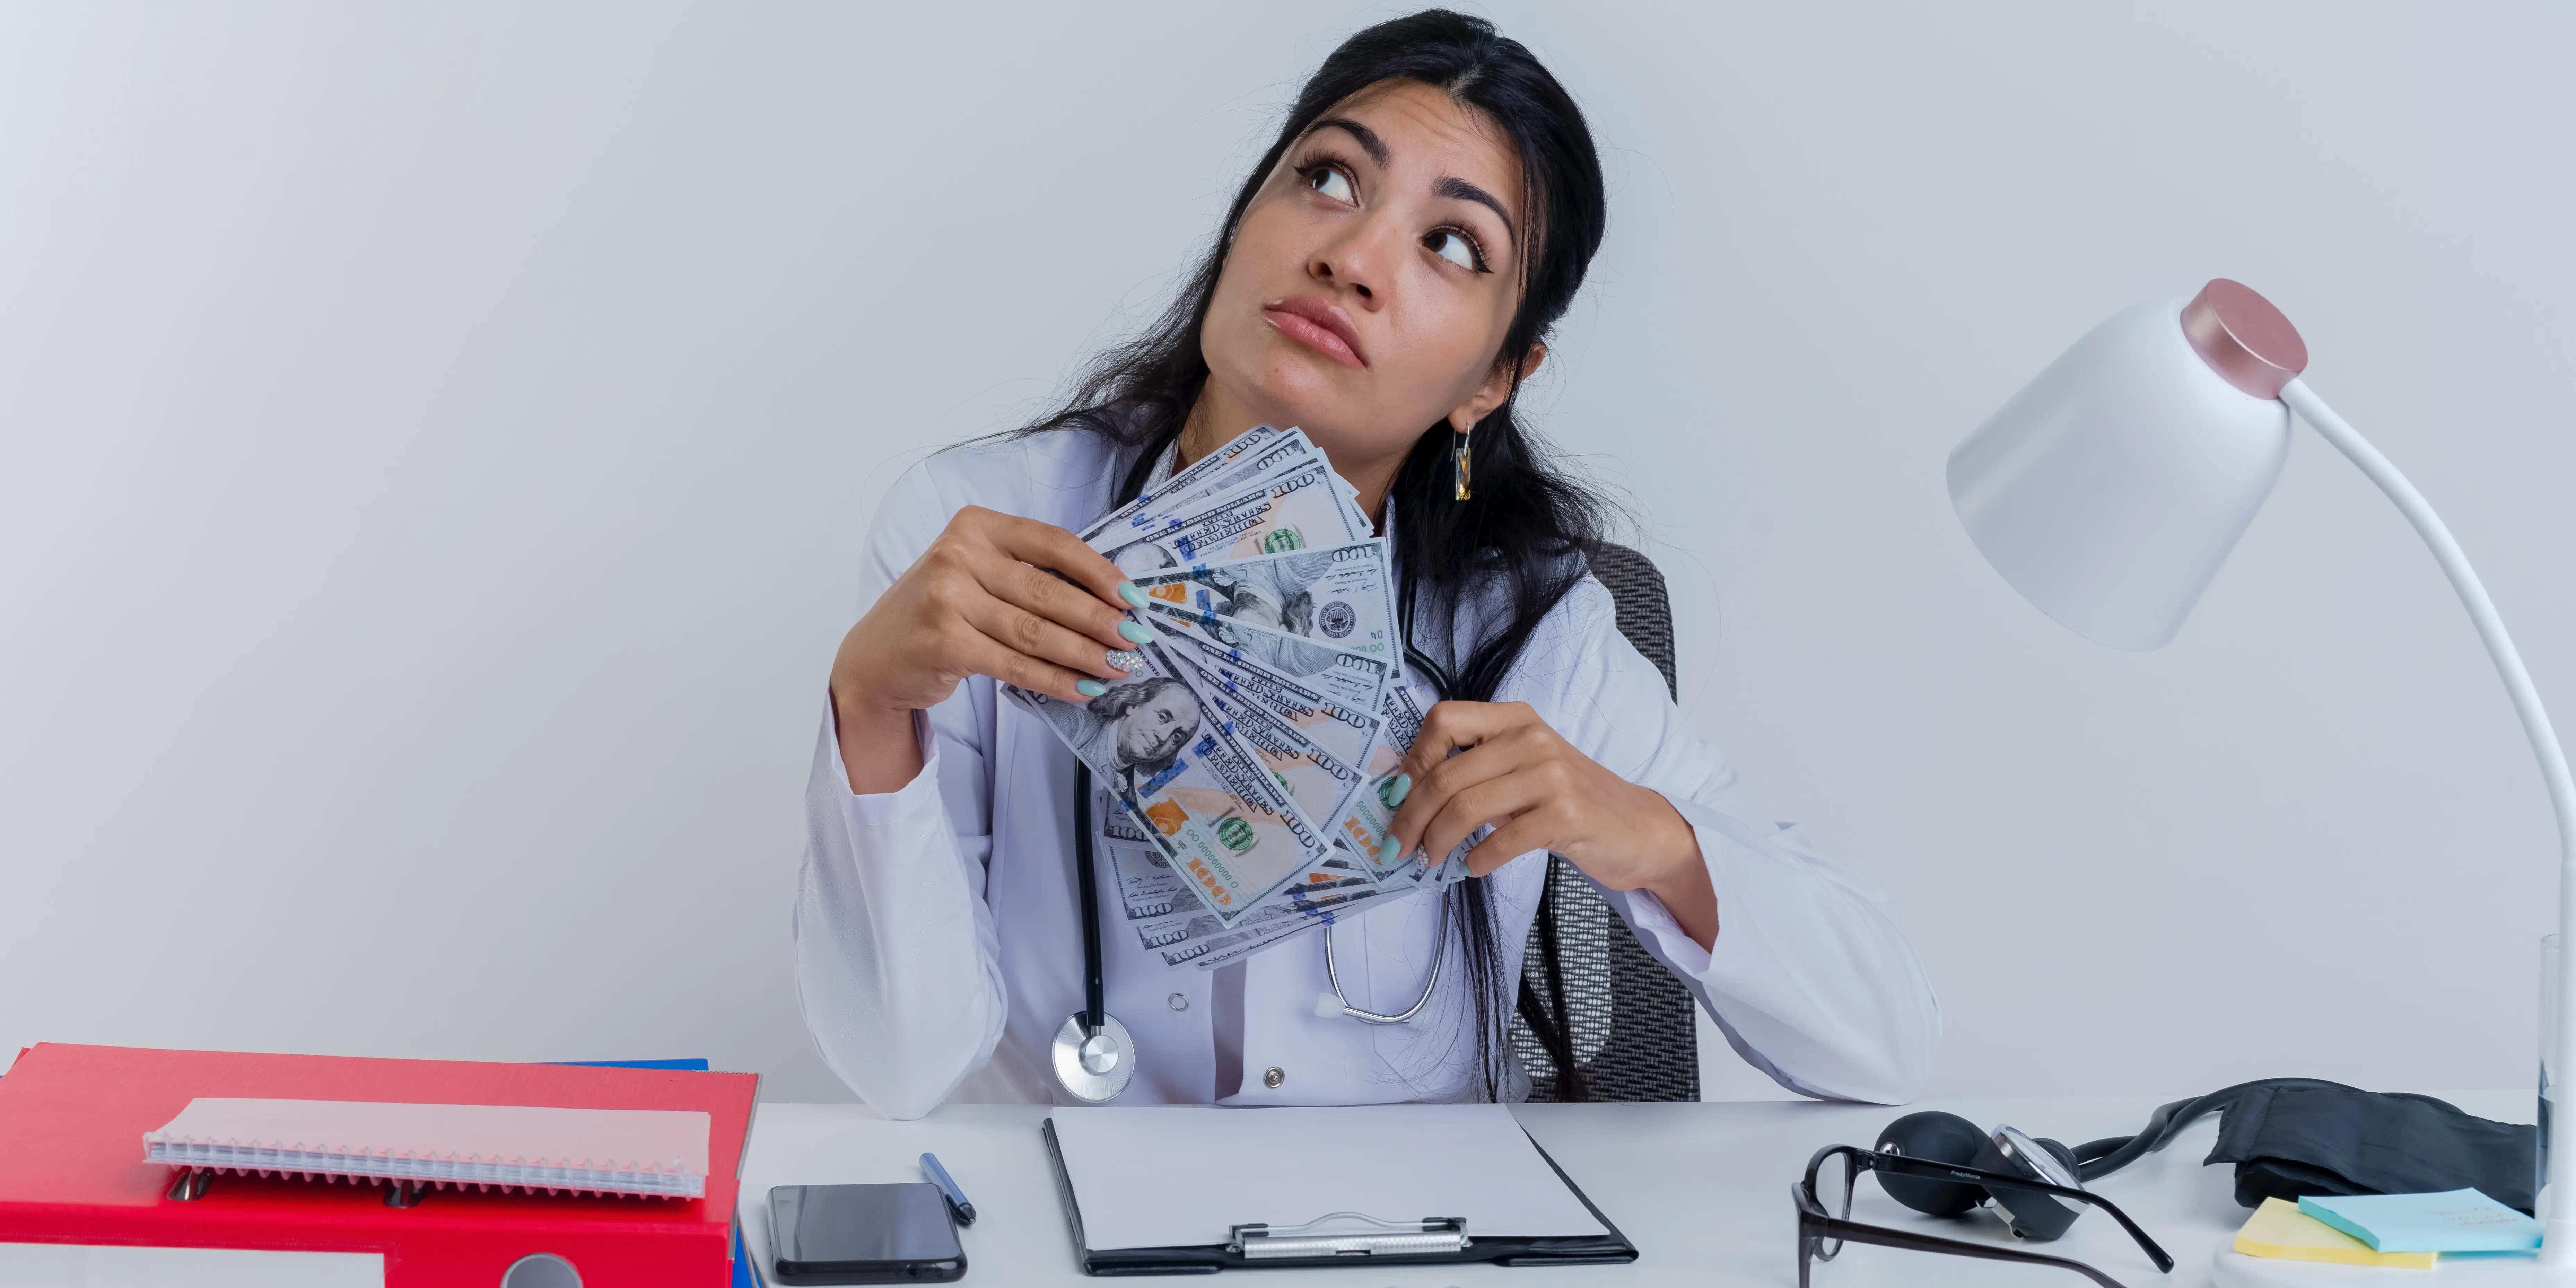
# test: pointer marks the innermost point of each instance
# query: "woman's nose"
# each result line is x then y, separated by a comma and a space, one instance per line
1356, 262
1324, 271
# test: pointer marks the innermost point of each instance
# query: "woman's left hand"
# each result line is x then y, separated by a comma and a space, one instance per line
1513, 771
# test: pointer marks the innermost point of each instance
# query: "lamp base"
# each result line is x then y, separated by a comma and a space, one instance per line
2233, 1269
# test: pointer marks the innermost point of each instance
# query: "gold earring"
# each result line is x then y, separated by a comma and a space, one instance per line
1465, 444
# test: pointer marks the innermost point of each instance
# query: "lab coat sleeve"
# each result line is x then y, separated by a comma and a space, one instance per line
1812, 978
898, 968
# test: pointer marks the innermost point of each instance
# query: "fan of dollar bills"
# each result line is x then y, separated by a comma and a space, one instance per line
1248, 758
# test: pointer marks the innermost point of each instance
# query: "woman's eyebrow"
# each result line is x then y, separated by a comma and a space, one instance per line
1364, 136
1457, 189
1451, 188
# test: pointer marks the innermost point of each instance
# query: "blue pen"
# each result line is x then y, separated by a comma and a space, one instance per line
958, 1207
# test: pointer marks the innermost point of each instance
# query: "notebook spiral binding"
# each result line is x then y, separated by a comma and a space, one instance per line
442, 1173
421, 1146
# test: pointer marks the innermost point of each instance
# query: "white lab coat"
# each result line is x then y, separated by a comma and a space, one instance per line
938, 929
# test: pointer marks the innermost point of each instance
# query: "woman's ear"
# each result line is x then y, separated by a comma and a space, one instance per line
1498, 386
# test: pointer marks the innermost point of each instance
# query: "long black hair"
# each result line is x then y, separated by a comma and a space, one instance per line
1501, 559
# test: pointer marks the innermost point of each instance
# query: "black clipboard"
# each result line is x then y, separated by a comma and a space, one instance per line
1612, 1248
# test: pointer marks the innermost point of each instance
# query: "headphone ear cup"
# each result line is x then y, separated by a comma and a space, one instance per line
1942, 1138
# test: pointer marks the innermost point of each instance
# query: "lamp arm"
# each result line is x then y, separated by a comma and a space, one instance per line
2559, 1245
2455, 565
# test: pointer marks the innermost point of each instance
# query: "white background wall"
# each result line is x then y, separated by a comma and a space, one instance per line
435, 441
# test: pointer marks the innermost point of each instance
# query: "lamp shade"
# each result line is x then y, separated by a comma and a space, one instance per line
2110, 489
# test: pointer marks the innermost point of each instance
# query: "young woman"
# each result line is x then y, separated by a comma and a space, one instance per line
1384, 280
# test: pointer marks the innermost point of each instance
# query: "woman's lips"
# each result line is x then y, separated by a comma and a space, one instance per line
1319, 326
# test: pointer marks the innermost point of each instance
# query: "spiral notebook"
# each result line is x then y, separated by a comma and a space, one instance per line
645, 1152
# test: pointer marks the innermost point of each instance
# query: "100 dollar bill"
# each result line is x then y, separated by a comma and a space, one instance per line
1217, 469
1315, 899
1353, 680
1148, 888
1188, 936
1403, 712
1322, 784
1201, 797
1326, 600
1255, 454
1338, 795
1299, 507
1350, 732
1402, 721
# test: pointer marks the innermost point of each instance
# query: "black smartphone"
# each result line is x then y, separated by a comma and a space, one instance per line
863, 1234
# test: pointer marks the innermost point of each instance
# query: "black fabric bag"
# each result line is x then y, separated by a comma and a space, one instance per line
2287, 1142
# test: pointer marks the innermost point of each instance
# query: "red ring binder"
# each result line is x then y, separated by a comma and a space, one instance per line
72, 1167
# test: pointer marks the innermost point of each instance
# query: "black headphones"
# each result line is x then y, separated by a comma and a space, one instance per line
1949, 1138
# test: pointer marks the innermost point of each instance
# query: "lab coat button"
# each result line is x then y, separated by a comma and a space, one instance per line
1179, 1001
1273, 1076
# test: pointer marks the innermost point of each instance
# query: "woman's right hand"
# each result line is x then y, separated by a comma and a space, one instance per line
979, 601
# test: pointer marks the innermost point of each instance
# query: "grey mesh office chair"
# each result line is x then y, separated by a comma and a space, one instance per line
1590, 996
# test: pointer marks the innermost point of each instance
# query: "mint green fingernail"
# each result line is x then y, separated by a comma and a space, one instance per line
1402, 788
1127, 591
1389, 852
1090, 688
1141, 634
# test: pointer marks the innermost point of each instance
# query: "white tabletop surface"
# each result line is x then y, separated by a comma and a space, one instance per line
1701, 1189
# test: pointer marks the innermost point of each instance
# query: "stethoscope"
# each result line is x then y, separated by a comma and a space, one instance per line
1093, 1055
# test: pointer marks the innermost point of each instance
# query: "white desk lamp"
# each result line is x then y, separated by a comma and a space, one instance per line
2109, 490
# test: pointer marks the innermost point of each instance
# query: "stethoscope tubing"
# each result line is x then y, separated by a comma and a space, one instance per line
1439, 954
1095, 986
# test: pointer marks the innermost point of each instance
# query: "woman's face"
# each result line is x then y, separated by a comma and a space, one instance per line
1157, 728
1368, 289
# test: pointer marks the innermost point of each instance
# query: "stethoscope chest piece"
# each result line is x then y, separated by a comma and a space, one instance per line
1093, 1067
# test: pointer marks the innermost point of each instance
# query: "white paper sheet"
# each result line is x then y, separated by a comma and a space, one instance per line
1183, 1176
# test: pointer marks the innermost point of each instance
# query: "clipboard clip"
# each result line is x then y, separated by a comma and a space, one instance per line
1430, 1236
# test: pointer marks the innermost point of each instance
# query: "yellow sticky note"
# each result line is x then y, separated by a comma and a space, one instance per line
2279, 1229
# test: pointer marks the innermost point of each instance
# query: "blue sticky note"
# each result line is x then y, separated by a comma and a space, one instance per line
2460, 1221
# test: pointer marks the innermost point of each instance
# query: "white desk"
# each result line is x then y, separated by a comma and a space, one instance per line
1701, 1189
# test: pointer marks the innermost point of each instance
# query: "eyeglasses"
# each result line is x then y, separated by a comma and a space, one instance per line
1825, 1224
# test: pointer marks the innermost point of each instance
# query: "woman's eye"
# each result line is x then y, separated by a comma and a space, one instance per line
1330, 182
1453, 246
